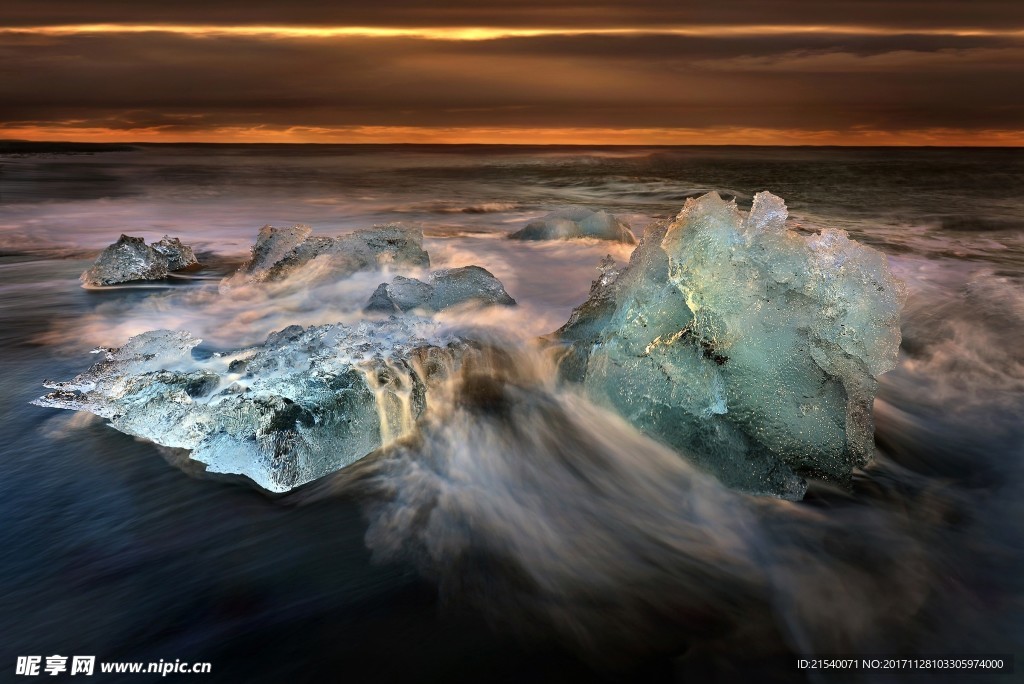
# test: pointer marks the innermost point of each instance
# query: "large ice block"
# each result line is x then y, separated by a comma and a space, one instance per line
749, 347
304, 404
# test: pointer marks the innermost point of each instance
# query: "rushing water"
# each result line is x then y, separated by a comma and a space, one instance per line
523, 533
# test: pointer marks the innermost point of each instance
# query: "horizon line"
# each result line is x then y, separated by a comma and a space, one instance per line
858, 136
486, 33
4, 141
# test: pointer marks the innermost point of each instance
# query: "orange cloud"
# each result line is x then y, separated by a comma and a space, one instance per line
477, 33
527, 136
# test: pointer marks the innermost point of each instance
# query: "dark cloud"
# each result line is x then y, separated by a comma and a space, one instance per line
580, 13
127, 81
658, 46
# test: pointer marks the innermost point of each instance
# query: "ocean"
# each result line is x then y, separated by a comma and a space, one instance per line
519, 566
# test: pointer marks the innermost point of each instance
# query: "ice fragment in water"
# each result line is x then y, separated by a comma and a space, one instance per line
279, 252
576, 222
130, 259
446, 288
177, 254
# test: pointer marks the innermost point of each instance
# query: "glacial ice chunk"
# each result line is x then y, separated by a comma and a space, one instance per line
177, 254
749, 347
130, 259
401, 294
576, 222
446, 288
279, 252
306, 403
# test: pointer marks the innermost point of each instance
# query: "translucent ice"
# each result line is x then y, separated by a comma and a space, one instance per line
130, 259
446, 287
304, 404
280, 251
576, 222
177, 254
749, 347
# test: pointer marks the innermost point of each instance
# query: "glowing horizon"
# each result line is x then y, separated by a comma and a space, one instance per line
480, 33
723, 135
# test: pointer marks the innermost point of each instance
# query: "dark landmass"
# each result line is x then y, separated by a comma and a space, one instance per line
30, 147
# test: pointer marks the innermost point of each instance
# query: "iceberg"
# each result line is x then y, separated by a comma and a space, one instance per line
446, 288
279, 252
576, 222
130, 259
749, 347
304, 404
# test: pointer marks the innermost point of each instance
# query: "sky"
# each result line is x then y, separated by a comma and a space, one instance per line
848, 72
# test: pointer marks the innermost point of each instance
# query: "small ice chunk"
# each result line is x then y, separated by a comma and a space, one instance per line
177, 254
402, 294
576, 222
454, 286
446, 288
279, 252
273, 245
131, 259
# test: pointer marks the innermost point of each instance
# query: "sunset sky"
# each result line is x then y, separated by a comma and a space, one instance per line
938, 72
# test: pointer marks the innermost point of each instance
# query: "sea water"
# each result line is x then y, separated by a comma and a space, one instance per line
547, 539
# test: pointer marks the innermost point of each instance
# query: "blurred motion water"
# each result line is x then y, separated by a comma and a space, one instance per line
524, 533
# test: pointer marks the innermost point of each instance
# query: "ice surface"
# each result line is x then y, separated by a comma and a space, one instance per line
576, 222
401, 294
177, 254
304, 404
279, 252
447, 287
749, 347
130, 258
